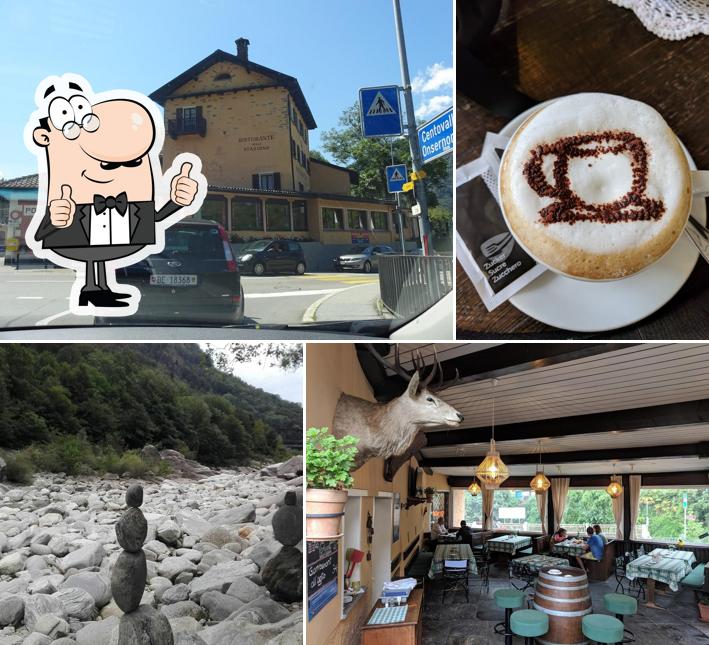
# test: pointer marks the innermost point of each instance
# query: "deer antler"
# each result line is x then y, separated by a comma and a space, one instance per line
419, 364
397, 363
436, 366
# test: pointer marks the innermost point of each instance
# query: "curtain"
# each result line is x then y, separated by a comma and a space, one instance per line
487, 508
635, 485
542, 508
559, 492
618, 509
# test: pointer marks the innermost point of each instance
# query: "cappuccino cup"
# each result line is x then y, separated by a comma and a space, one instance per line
597, 186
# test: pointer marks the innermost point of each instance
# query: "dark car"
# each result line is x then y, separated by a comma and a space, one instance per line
361, 258
272, 256
195, 278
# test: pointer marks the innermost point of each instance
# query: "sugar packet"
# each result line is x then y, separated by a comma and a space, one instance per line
496, 264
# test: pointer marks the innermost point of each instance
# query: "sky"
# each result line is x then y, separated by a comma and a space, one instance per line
333, 47
287, 384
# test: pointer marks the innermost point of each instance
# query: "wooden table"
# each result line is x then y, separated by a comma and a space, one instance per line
549, 48
407, 632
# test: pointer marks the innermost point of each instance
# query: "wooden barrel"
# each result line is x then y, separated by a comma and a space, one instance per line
563, 594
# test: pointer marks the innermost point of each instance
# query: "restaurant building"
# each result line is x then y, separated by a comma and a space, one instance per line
620, 436
250, 126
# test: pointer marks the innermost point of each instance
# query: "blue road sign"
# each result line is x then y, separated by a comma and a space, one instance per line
380, 111
436, 136
396, 177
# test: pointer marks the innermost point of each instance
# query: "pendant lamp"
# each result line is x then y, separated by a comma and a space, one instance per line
492, 471
540, 484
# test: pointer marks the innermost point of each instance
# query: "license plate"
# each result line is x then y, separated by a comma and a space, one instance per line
173, 280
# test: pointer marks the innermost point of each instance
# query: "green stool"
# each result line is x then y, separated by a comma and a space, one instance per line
508, 599
621, 606
602, 628
529, 623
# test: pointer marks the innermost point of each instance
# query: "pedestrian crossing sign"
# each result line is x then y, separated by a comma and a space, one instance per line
396, 177
380, 111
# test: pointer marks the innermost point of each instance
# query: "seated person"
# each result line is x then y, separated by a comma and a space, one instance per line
438, 530
465, 533
594, 548
559, 536
598, 532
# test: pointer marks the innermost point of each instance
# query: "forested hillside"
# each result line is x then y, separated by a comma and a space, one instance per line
126, 396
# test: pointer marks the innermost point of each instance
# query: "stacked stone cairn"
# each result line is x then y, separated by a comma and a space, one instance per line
140, 624
283, 573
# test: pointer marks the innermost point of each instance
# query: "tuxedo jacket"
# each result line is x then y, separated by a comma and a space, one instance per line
142, 225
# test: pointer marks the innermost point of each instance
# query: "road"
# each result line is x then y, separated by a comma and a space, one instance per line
38, 297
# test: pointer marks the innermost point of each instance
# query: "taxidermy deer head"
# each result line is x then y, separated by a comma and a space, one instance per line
389, 429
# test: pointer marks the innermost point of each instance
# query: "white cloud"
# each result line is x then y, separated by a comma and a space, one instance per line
435, 78
433, 106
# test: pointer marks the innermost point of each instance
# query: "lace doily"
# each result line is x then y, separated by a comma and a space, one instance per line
671, 19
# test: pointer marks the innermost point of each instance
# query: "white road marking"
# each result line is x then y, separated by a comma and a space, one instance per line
30, 297
40, 281
52, 318
278, 294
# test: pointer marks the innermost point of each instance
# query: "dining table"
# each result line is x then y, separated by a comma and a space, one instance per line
509, 543
570, 548
661, 565
445, 552
538, 560
537, 50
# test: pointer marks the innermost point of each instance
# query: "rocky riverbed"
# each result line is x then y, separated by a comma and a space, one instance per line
209, 539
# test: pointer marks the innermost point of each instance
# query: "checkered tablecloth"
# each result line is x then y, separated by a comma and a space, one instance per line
671, 566
537, 561
568, 547
451, 552
509, 543
388, 615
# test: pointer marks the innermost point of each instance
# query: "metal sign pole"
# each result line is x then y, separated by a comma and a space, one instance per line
419, 187
397, 210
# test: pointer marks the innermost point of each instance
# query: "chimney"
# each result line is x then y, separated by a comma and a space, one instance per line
242, 49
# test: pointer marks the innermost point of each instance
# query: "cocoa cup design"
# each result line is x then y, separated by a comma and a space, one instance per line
568, 207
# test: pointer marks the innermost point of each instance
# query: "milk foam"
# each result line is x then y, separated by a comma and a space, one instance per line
609, 176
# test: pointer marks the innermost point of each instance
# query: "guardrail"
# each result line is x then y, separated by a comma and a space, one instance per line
410, 284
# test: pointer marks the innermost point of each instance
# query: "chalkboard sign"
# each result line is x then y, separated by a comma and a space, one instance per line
322, 575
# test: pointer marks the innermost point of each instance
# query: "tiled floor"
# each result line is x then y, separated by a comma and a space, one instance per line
459, 623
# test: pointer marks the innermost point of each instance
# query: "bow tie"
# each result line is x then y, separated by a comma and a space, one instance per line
120, 203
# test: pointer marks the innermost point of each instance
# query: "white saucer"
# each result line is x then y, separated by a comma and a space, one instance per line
578, 305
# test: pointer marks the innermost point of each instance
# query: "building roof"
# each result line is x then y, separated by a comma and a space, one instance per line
289, 82
26, 181
354, 175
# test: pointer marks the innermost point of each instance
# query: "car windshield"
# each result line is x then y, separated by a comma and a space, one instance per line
256, 231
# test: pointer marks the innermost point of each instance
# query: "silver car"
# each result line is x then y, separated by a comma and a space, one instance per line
361, 258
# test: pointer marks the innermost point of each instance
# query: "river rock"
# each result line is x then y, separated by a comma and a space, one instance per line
134, 496
283, 575
12, 563
246, 590
219, 536
144, 625
291, 468
288, 521
262, 552
100, 631
219, 605
169, 533
239, 515
221, 577
51, 626
36, 606
171, 567
89, 555
128, 580
94, 583
12, 610
77, 603
175, 594
182, 608
131, 530
36, 638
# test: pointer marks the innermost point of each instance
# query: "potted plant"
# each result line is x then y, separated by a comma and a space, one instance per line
429, 493
419, 493
328, 462
704, 608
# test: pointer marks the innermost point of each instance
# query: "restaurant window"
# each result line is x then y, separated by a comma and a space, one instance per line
332, 219
277, 215
586, 507
292, 147
266, 181
379, 221
515, 510
214, 208
4, 210
357, 220
668, 514
473, 510
189, 117
300, 215
246, 214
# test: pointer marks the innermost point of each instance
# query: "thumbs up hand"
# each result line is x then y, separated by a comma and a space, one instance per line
61, 211
183, 188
